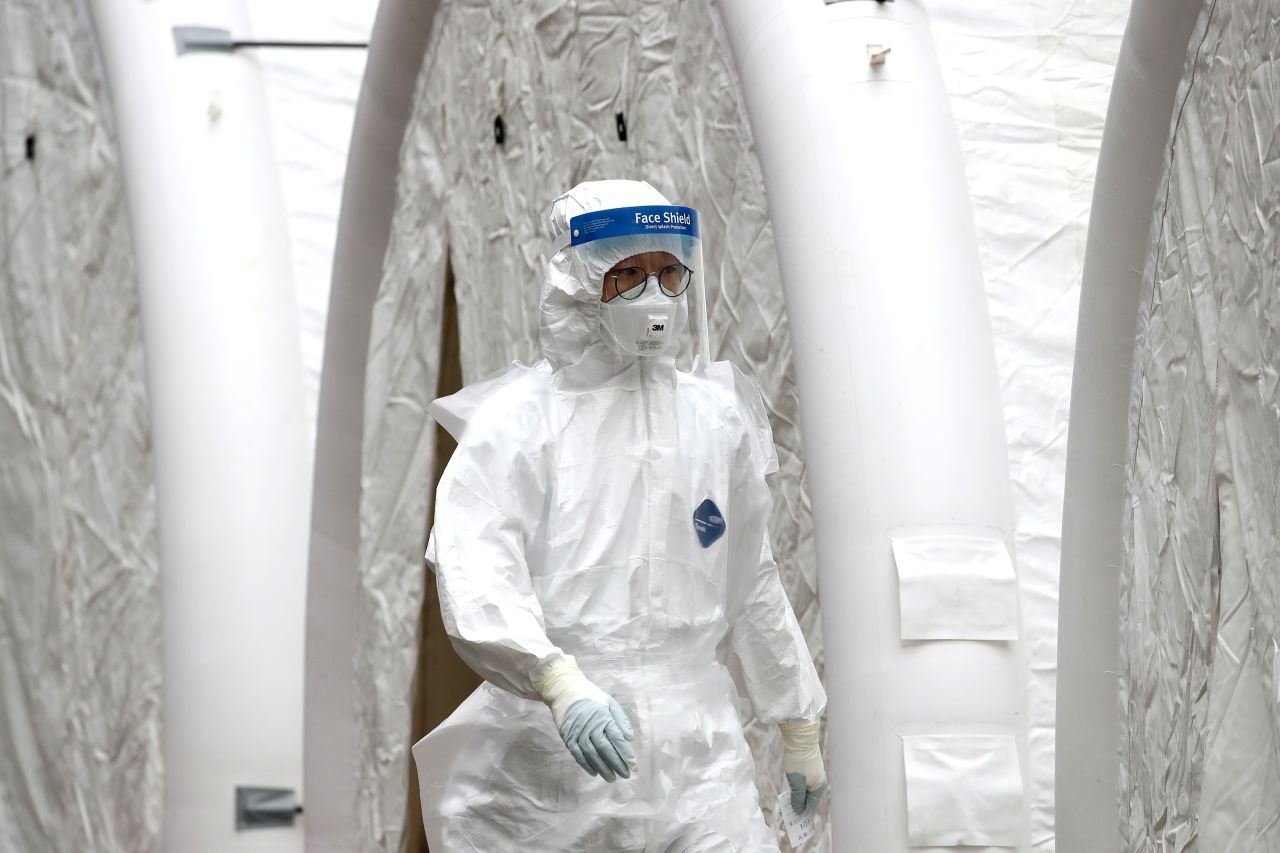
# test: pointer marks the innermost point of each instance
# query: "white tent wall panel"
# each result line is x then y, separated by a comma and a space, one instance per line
1200, 593
80, 631
557, 75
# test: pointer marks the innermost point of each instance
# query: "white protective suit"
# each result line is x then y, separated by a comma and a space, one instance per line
564, 531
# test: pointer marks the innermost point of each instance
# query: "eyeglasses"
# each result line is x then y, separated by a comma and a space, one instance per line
630, 282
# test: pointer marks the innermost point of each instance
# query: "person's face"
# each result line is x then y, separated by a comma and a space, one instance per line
634, 268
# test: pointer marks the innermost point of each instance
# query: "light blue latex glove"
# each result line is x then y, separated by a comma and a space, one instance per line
802, 762
592, 725
802, 799
597, 737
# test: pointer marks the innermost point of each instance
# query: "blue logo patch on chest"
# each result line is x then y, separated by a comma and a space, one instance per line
708, 523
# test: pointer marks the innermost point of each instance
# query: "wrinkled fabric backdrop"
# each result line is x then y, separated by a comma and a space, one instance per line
1200, 606
80, 666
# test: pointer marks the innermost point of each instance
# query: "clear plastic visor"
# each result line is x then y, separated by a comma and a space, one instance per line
626, 253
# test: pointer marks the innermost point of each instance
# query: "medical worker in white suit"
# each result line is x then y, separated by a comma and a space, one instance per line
602, 558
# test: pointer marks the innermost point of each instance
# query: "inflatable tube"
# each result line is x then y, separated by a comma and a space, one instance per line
397, 46
902, 420
229, 422
1133, 156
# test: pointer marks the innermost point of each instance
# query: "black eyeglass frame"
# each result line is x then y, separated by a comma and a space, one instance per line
635, 291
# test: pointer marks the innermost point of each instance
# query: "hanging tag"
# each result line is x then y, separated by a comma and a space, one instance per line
800, 828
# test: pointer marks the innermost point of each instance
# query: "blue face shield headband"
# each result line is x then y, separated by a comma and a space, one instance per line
671, 224
630, 222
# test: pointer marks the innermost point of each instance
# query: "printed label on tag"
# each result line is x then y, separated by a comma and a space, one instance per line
799, 828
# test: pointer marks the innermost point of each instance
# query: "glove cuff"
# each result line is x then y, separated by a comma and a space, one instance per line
564, 685
802, 752
800, 736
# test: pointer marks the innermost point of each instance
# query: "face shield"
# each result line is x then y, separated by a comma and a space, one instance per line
645, 263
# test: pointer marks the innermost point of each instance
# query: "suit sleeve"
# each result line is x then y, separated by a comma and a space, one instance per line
775, 670
488, 506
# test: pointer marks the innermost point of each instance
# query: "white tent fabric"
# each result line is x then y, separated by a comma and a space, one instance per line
80, 656
1200, 607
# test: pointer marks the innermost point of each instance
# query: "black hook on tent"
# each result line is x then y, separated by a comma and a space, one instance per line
31, 147
499, 131
622, 127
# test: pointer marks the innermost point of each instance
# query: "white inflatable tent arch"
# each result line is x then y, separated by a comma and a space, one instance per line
901, 405
1169, 724
228, 416
1134, 153
331, 756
